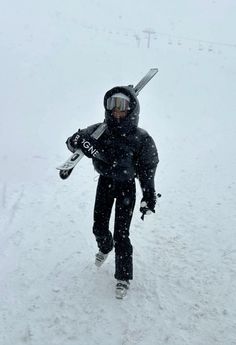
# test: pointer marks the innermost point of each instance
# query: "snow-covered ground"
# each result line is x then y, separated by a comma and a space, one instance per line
57, 61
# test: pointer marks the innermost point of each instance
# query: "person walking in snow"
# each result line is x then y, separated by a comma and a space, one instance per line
122, 153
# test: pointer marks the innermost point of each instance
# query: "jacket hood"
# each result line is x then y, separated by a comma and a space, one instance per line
131, 120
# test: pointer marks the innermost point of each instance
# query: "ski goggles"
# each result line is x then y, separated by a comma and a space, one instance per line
119, 101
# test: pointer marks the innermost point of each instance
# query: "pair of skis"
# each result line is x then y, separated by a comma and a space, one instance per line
67, 167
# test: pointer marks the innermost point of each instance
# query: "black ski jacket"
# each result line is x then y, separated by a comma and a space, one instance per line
125, 150
123, 157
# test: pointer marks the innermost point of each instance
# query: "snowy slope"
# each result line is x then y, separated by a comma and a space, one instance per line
58, 66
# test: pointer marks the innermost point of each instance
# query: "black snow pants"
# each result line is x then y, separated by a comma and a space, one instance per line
109, 190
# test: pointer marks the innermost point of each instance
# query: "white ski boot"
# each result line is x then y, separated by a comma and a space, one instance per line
100, 257
122, 287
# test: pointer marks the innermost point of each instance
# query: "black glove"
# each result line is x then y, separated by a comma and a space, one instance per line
148, 203
73, 142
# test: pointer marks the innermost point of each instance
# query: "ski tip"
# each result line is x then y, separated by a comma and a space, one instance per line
151, 73
154, 70
64, 174
64, 167
61, 167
